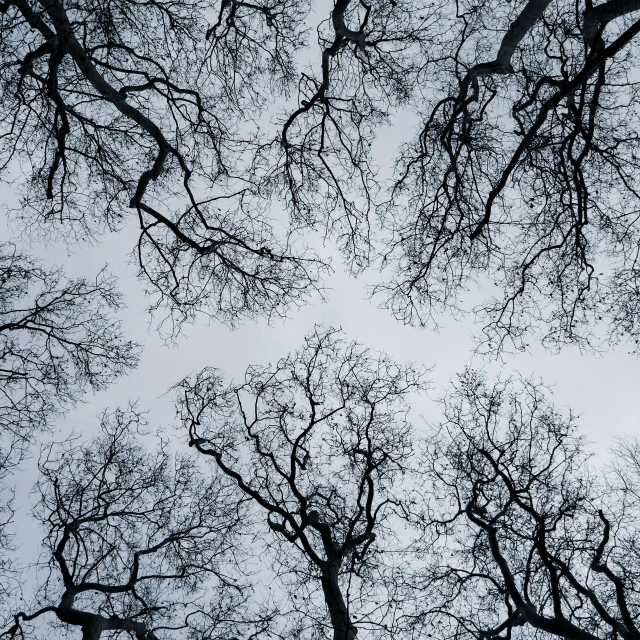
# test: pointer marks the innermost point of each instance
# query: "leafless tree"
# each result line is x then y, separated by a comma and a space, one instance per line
137, 541
194, 115
319, 443
109, 106
9, 571
372, 57
524, 174
526, 539
58, 339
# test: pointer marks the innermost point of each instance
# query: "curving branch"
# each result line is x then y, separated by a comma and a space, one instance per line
316, 443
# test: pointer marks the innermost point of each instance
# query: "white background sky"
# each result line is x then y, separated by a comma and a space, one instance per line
603, 389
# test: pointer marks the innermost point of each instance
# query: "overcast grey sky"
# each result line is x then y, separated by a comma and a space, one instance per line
603, 389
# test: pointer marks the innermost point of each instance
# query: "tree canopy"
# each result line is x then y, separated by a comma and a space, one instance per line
58, 339
226, 129
535, 542
320, 444
242, 140
133, 538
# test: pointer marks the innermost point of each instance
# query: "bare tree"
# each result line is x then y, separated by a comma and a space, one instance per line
9, 571
58, 339
109, 106
372, 58
194, 115
136, 541
527, 539
319, 443
524, 174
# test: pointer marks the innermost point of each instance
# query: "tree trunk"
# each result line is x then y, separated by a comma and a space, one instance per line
342, 627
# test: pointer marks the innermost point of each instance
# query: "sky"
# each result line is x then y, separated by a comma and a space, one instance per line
602, 389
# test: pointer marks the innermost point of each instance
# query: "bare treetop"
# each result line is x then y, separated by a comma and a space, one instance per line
524, 174
58, 339
320, 443
525, 538
114, 107
228, 127
136, 541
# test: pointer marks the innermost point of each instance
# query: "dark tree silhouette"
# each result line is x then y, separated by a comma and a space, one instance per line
524, 174
193, 115
528, 539
116, 106
9, 571
58, 339
320, 444
373, 57
136, 541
